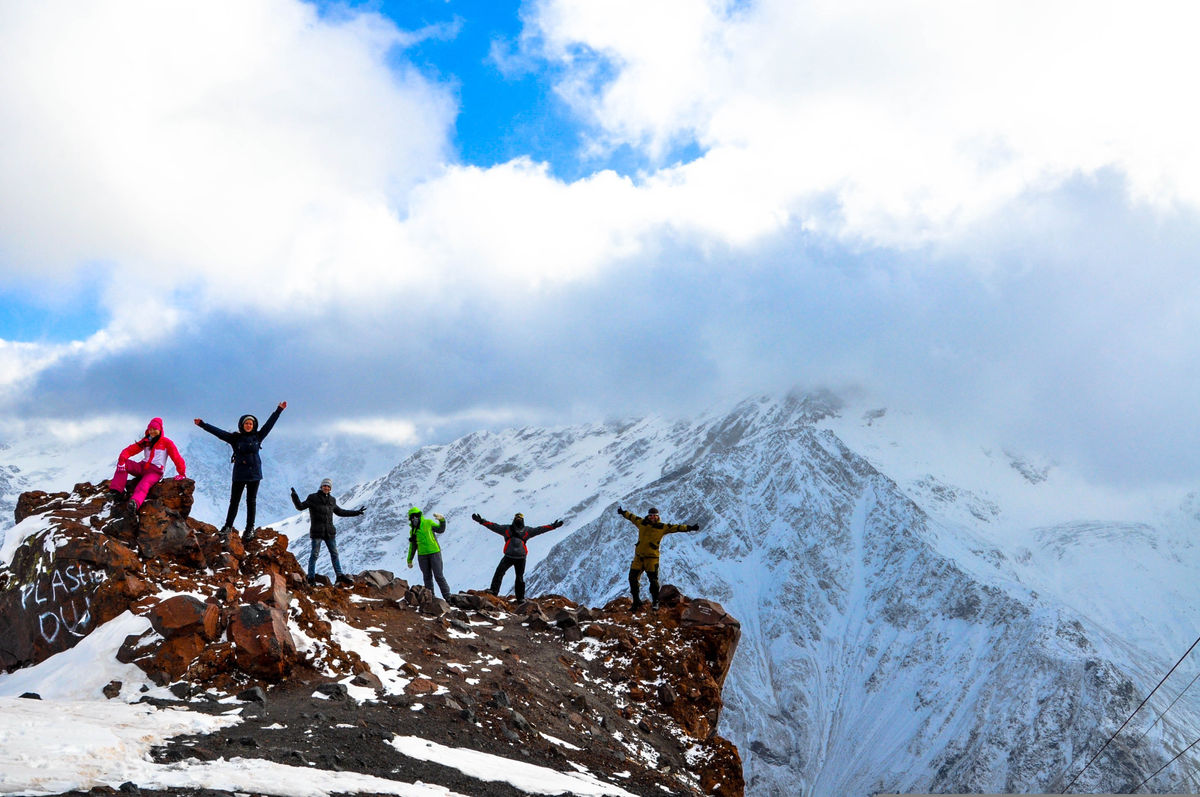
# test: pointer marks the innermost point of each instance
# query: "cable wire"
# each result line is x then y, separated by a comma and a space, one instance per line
1168, 708
1130, 717
1164, 766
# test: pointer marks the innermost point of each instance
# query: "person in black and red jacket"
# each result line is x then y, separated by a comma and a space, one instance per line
515, 534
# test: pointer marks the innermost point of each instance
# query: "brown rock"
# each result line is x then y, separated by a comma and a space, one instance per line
174, 656
182, 615
263, 646
421, 686
96, 549
271, 589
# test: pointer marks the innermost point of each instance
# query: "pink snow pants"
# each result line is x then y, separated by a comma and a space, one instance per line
149, 476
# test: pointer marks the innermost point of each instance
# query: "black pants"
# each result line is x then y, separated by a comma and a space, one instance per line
235, 498
635, 576
516, 562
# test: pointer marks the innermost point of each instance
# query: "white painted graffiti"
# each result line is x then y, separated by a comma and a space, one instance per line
62, 601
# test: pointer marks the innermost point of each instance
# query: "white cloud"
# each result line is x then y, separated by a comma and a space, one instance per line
917, 118
245, 151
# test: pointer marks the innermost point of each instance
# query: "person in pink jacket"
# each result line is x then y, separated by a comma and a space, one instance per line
155, 448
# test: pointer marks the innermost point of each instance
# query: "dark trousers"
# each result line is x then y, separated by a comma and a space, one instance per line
635, 576
518, 564
235, 498
331, 544
431, 568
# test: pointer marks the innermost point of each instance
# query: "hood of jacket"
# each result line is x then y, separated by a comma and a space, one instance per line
253, 424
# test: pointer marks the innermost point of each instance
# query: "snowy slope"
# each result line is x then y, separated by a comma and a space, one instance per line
901, 631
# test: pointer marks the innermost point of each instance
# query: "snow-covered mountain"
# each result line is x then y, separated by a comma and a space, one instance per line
919, 613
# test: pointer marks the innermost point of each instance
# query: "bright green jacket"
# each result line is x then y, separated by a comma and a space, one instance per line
421, 539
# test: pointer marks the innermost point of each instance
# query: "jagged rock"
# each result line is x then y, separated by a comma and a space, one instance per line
669, 595
434, 607
254, 694
263, 646
368, 679
271, 589
334, 691
467, 601
112, 689
182, 615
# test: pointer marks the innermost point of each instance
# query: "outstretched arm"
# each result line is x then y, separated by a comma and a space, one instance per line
219, 433
487, 524
675, 528
266, 427
543, 529
337, 510
632, 518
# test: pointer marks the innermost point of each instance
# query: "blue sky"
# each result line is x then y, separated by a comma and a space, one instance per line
414, 219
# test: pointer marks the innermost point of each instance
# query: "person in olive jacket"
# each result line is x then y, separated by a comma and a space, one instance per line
247, 464
322, 506
651, 530
515, 534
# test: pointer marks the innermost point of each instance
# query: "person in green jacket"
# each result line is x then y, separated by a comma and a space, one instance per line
651, 530
423, 543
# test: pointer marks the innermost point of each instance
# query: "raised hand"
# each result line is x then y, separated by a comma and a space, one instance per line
197, 421
478, 518
283, 405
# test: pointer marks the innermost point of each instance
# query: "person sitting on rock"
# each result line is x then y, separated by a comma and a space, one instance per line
247, 465
515, 534
322, 506
423, 543
149, 469
651, 530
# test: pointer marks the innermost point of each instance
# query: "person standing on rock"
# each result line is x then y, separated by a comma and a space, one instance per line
156, 448
322, 506
651, 530
515, 534
423, 543
247, 465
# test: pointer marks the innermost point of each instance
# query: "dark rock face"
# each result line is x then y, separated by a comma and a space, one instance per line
629, 693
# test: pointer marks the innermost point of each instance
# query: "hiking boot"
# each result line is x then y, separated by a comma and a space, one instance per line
312, 580
637, 606
342, 578
246, 537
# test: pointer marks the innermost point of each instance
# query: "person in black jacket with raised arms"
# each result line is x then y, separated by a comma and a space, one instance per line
322, 506
515, 534
247, 464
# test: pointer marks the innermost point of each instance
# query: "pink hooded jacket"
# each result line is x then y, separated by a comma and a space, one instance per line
156, 453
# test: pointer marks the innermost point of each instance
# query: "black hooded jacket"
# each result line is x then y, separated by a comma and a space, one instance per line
321, 509
247, 463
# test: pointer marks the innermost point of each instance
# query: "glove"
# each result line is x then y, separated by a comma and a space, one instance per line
620, 511
557, 524
478, 518
693, 527
295, 493
197, 421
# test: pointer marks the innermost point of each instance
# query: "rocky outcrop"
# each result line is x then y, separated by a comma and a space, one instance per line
625, 693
